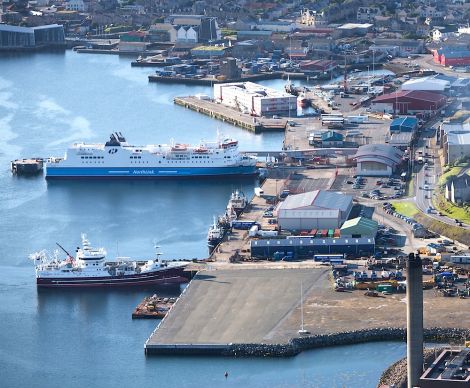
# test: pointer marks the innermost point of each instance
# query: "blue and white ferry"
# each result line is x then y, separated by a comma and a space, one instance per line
118, 159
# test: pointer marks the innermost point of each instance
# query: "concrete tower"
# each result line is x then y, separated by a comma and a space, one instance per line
414, 322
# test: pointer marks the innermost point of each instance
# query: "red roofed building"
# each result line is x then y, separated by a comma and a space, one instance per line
318, 65
409, 102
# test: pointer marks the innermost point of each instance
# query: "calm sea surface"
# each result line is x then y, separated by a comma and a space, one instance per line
87, 338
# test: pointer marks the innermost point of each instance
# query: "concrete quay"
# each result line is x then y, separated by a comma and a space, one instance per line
213, 80
232, 116
225, 307
256, 312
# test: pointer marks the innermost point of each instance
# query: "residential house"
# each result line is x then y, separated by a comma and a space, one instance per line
368, 14
75, 5
195, 28
458, 189
444, 32
162, 32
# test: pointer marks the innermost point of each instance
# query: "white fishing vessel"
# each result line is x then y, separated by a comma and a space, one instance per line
215, 234
237, 202
89, 268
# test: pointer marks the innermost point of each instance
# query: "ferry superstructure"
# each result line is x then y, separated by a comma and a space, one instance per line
118, 159
89, 268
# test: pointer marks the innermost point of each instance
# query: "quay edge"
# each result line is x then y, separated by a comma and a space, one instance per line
297, 345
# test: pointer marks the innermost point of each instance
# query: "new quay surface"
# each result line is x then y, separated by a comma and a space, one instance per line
225, 307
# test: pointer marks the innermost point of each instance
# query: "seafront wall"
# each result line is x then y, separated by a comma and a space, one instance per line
396, 374
297, 345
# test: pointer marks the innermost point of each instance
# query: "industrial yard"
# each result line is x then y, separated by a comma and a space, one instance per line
253, 305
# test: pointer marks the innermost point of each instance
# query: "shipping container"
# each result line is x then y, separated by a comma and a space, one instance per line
337, 233
253, 231
243, 225
268, 233
324, 233
313, 232
384, 287
328, 258
330, 233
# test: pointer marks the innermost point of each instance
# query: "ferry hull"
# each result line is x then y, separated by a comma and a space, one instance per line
167, 276
146, 172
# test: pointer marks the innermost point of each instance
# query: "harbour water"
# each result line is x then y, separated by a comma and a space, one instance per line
87, 338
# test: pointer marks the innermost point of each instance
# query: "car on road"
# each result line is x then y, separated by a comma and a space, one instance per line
268, 214
426, 187
349, 182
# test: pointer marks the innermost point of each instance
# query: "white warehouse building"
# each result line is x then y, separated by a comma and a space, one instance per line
314, 210
429, 84
377, 159
255, 99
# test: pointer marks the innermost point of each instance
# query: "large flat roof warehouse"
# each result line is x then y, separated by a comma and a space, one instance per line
426, 83
350, 26
418, 95
458, 137
318, 199
9, 28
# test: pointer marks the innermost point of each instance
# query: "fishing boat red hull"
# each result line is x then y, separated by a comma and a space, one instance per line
162, 276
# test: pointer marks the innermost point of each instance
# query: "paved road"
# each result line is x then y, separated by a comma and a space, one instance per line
428, 175
427, 62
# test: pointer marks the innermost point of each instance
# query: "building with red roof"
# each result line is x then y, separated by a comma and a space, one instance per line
409, 102
318, 65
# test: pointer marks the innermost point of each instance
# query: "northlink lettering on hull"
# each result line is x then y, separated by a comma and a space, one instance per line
144, 172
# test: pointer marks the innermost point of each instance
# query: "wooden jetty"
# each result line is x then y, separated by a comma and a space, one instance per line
232, 116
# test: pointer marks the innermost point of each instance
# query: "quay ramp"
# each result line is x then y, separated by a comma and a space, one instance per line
232, 116
224, 307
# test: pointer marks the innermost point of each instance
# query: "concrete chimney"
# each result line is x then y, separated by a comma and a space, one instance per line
414, 321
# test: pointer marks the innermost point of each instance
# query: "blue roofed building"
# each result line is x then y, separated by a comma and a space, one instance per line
404, 124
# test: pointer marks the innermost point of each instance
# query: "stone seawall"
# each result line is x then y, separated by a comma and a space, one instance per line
297, 345
396, 374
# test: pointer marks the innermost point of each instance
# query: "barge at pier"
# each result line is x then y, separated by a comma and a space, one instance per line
119, 159
31, 166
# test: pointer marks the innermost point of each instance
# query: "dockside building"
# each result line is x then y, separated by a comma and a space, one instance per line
254, 99
31, 38
314, 209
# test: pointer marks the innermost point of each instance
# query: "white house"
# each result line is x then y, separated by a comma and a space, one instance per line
187, 34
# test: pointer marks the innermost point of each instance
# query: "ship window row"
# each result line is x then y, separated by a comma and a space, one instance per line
93, 161
92, 157
200, 157
139, 161
136, 157
227, 157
